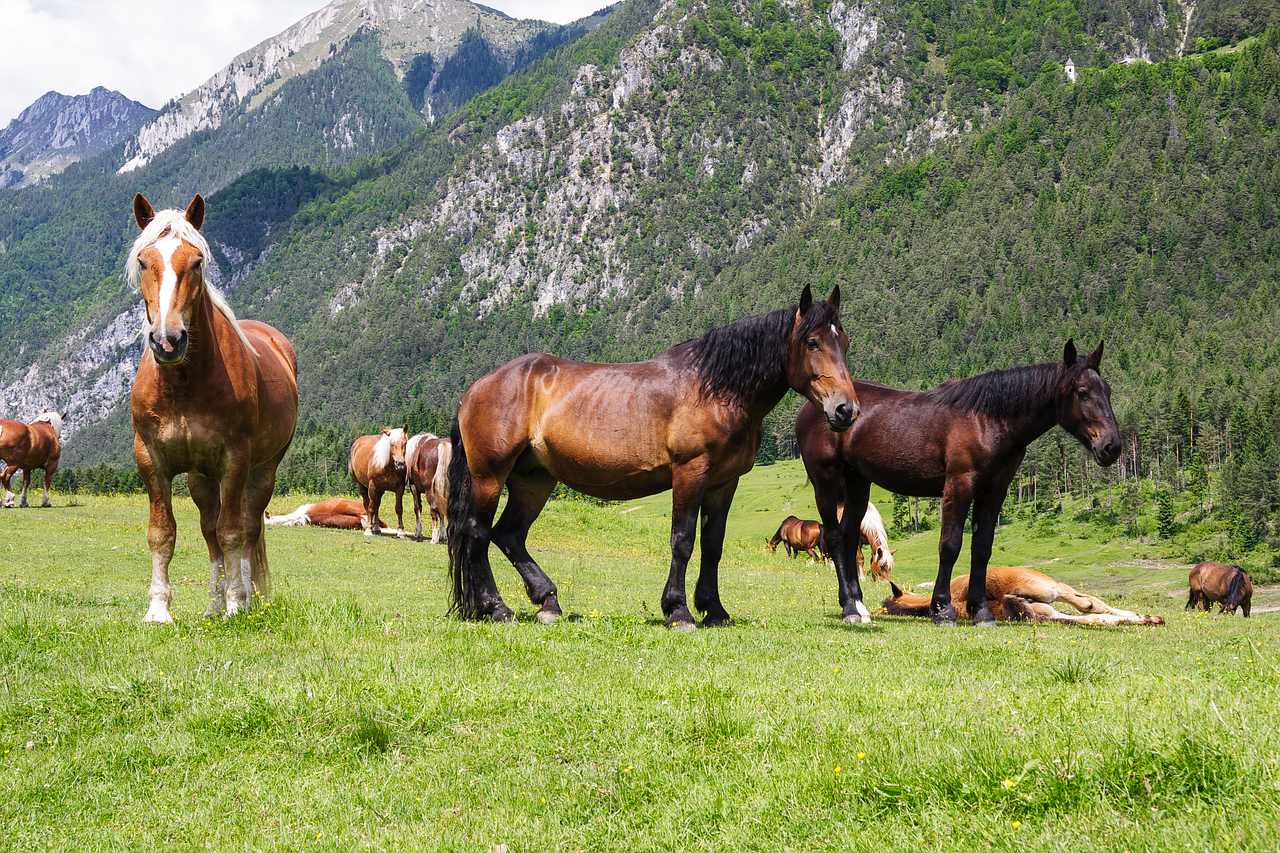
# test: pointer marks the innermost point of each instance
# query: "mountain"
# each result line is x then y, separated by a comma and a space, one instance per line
415, 38
683, 165
58, 130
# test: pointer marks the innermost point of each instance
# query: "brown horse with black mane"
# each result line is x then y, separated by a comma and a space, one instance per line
1229, 585
214, 398
797, 535
688, 420
963, 442
28, 447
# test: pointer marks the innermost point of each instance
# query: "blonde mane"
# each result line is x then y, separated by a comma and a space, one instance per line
175, 222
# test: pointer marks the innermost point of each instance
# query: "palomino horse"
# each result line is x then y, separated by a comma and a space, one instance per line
877, 538
1212, 582
963, 442
688, 420
377, 466
796, 536
427, 460
215, 398
342, 513
1016, 594
28, 447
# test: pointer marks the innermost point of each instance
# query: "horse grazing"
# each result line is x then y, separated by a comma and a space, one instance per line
1212, 582
214, 398
28, 447
796, 536
874, 536
377, 466
427, 462
1015, 594
342, 513
688, 420
963, 442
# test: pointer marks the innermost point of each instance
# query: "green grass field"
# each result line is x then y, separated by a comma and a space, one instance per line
348, 713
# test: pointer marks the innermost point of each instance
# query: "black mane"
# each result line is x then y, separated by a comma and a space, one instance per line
746, 357
1010, 392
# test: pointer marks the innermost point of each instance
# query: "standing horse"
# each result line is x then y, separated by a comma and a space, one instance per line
1212, 582
427, 463
1017, 594
28, 447
688, 420
377, 466
796, 536
963, 442
214, 398
876, 538
341, 513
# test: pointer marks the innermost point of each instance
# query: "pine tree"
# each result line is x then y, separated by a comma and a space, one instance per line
1164, 513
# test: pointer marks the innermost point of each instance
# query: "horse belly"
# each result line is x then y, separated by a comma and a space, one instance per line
609, 470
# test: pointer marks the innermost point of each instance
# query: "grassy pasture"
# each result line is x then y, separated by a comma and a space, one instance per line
349, 714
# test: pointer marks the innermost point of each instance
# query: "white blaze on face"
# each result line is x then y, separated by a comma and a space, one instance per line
166, 246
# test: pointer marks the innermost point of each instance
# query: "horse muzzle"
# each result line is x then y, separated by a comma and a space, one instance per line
1106, 452
841, 416
168, 348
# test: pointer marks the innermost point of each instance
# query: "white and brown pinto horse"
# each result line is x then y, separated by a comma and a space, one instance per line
340, 513
27, 447
214, 398
427, 463
1017, 594
377, 466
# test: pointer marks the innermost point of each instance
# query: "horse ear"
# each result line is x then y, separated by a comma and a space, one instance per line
143, 213
64, 415
806, 301
1069, 353
195, 212
1096, 355
834, 298
894, 551
386, 430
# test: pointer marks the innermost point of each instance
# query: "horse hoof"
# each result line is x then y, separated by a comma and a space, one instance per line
857, 619
720, 622
502, 613
944, 622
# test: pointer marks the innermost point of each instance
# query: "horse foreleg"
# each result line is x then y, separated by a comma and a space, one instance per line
688, 484
26, 484
48, 483
706, 594
527, 494
6, 477
986, 510
400, 513
204, 492
231, 530
956, 498
373, 507
857, 491
162, 532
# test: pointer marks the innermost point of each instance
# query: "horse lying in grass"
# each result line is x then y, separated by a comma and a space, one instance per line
797, 535
427, 470
341, 513
1016, 594
1229, 585
27, 447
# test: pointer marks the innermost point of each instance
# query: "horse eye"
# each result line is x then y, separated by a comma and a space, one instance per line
813, 343
1083, 394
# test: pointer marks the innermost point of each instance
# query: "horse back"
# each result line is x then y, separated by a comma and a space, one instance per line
421, 466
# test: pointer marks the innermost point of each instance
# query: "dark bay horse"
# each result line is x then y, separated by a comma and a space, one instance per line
1017, 594
427, 470
27, 447
214, 398
963, 442
377, 466
688, 420
797, 535
1229, 585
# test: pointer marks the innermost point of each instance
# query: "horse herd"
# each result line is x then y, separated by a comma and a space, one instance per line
217, 398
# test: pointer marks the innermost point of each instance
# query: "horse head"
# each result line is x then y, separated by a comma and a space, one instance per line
1084, 404
167, 262
389, 451
54, 419
816, 364
882, 562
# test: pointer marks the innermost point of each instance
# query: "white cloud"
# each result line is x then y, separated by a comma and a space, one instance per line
156, 51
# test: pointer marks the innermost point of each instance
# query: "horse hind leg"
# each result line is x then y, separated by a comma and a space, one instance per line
48, 483
26, 484
257, 496
7, 479
527, 494
204, 493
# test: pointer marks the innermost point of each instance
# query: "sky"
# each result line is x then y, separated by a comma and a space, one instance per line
71, 46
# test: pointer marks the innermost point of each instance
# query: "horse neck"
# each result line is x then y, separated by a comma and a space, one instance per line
1039, 416
212, 336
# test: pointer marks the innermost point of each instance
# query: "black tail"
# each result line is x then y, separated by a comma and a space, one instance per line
1235, 591
1191, 600
822, 542
461, 519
